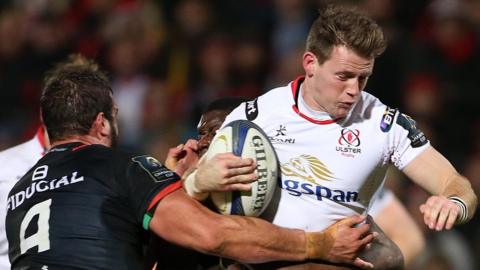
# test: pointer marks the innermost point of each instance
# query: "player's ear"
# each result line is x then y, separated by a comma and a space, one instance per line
101, 125
309, 62
40, 114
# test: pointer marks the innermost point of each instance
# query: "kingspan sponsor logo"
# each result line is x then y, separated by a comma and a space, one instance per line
302, 176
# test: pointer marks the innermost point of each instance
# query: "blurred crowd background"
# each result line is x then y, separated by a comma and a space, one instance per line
168, 59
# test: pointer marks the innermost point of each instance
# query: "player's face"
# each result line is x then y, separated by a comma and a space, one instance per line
335, 86
209, 124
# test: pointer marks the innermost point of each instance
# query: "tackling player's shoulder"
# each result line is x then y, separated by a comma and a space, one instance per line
96, 160
122, 160
101, 152
118, 158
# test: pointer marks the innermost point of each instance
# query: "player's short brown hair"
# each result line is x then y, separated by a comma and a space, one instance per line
337, 25
74, 92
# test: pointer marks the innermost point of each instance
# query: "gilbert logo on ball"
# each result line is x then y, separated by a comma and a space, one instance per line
245, 139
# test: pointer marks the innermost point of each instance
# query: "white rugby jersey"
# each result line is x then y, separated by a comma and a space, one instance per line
383, 199
14, 163
331, 169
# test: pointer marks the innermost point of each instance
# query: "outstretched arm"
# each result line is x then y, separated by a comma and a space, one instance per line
243, 238
186, 222
453, 200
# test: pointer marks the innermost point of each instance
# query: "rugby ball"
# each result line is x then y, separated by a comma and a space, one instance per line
245, 139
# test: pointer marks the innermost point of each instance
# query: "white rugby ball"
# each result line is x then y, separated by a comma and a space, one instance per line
245, 139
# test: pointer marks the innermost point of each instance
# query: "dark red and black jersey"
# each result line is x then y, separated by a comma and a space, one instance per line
83, 207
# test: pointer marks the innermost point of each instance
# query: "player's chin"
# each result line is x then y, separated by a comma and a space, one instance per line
341, 113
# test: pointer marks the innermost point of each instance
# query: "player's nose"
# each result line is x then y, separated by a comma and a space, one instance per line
353, 88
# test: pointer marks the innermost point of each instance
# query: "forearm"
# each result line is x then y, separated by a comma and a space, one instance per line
435, 174
187, 223
254, 240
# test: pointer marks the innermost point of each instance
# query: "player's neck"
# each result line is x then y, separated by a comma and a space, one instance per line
309, 107
85, 139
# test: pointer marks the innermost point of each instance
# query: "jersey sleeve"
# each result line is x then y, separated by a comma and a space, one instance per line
148, 181
406, 140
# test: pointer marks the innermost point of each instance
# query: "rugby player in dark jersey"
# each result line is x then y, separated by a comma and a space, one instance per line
86, 205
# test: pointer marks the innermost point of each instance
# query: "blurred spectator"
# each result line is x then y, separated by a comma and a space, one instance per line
192, 20
162, 127
249, 69
129, 88
132, 42
287, 68
13, 35
290, 25
291, 22
421, 97
448, 48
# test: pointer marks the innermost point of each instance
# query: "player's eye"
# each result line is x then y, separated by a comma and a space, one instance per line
342, 76
201, 134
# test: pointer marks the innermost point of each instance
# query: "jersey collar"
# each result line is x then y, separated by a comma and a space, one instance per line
296, 92
71, 146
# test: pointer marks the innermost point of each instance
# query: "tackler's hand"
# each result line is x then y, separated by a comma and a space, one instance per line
341, 242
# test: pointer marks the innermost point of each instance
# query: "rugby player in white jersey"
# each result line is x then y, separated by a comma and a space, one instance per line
335, 141
388, 212
14, 163
183, 158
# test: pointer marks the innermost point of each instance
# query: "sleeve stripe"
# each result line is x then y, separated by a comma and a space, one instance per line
164, 192
146, 221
